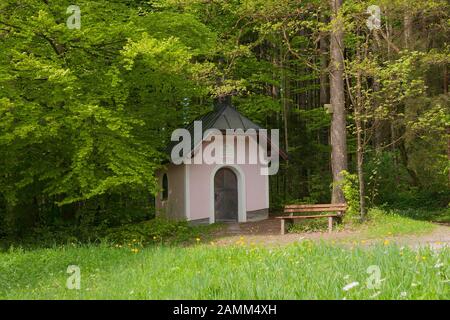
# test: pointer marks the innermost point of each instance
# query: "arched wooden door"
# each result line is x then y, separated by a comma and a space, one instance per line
225, 195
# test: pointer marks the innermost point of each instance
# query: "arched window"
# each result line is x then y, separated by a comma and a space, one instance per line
165, 187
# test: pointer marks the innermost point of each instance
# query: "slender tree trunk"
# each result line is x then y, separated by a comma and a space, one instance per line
338, 123
379, 125
448, 151
407, 29
448, 128
405, 161
358, 110
324, 84
445, 82
284, 100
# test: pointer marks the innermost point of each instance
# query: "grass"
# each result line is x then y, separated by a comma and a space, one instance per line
393, 223
436, 215
159, 259
304, 270
381, 223
311, 225
154, 231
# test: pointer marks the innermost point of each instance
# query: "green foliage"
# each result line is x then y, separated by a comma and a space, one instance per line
350, 187
382, 171
80, 109
158, 230
130, 232
85, 114
440, 215
309, 225
383, 223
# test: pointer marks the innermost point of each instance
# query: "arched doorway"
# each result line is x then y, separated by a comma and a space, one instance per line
225, 195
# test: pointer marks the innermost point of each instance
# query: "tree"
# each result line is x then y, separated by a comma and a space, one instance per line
337, 99
85, 112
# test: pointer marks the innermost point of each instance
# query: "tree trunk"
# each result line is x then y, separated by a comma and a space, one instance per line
284, 100
337, 99
448, 128
405, 161
360, 162
324, 85
448, 151
445, 82
358, 109
407, 27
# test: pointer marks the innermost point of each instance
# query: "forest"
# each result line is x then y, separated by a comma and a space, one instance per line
86, 110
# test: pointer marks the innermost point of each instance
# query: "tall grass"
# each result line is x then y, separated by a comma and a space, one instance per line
301, 271
392, 223
381, 223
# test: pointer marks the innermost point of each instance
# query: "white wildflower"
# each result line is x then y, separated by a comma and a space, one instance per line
350, 286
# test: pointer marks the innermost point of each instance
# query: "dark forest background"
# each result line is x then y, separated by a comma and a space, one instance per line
85, 113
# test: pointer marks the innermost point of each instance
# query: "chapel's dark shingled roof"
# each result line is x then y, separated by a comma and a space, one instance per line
224, 116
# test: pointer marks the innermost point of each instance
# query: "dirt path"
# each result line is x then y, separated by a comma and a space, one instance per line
267, 232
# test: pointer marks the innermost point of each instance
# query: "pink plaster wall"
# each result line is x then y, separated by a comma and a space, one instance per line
256, 186
174, 206
199, 186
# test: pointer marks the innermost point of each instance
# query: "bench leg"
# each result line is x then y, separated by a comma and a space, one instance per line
330, 224
285, 223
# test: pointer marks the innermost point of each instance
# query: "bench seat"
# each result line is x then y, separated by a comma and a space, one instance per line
339, 208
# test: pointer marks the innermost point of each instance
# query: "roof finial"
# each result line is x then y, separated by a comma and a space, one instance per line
222, 101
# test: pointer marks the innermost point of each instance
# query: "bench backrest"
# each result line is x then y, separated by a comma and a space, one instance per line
293, 208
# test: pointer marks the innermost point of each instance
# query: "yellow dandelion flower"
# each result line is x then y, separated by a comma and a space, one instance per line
197, 239
386, 242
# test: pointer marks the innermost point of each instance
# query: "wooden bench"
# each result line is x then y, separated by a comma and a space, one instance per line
339, 208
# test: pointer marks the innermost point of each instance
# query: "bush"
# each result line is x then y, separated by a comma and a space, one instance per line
155, 230
418, 198
350, 188
389, 183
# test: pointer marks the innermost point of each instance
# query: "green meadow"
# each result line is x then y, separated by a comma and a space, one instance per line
304, 270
